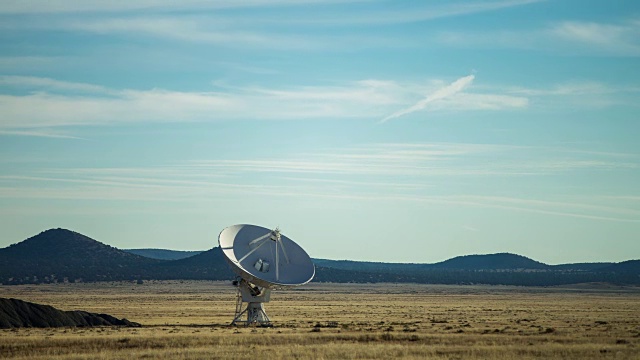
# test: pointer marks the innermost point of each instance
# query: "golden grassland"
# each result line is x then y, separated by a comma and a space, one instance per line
189, 320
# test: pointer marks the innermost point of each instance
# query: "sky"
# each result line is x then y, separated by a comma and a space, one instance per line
394, 131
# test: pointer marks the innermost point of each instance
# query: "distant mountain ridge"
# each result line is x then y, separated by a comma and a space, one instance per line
501, 261
58, 255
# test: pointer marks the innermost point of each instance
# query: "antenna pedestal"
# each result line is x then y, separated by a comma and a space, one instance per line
254, 297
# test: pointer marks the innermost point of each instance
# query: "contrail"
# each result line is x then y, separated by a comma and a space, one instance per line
442, 93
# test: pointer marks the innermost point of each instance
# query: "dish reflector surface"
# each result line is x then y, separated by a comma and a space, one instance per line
265, 257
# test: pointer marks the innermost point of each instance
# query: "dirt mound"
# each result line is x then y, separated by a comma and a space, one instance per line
16, 313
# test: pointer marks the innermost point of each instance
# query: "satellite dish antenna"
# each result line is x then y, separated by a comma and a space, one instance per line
263, 259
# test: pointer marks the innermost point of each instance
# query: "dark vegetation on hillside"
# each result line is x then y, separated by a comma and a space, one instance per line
582, 266
59, 255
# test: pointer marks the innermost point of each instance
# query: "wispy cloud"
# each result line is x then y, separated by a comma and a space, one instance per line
396, 172
580, 210
429, 161
621, 38
477, 101
384, 15
568, 37
65, 6
48, 133
585, 209
470, 228
292, 28
44, 109
442, 93
410, 13
30, 103
47, 102
42, 83
571, 88
585, 94
219, 31
452, 96
87, 184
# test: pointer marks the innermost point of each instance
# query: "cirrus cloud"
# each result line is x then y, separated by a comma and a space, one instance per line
34, 102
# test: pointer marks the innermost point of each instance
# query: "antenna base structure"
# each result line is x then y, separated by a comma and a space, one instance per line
254, 297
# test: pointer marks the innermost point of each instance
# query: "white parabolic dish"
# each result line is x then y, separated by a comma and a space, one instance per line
257, 257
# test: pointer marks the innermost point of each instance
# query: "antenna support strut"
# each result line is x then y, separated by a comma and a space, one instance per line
254, 297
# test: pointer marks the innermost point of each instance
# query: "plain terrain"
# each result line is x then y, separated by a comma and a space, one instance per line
189, 320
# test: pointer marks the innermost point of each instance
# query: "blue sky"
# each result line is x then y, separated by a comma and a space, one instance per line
408, 131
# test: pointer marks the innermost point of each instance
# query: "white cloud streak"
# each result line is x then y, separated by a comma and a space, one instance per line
114, 188
217, 31
70, 6
569, 37
208, 23
442, 93
410, 13
378, 172
40, 133
452, 97
609, 38
583, 94
406, 14
28, 103
566, 209
379, 165
428, 161
33, 102
22, 63
51, 84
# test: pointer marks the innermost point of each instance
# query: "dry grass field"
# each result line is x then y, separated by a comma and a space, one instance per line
189, 320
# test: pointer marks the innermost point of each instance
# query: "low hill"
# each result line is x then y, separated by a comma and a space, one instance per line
162, 254
59, 255
629, 267
53, 243
501, 261
16, 313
